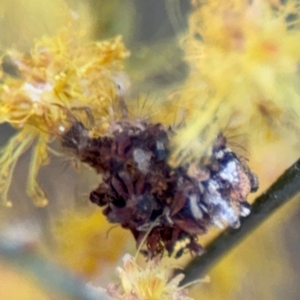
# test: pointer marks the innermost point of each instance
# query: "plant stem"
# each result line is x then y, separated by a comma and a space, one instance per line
283, 190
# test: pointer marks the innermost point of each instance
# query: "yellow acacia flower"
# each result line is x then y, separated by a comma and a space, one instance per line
244, 60
61, 74
153, 282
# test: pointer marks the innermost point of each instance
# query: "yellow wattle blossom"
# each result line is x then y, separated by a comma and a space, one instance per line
153, 282
244, 60
41, 90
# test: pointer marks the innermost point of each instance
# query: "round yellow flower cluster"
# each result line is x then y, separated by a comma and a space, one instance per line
40, 90
244, 61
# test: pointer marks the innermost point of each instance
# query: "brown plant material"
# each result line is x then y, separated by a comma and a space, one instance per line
143, 193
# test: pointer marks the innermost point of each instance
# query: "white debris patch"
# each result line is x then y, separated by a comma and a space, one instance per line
230, 172
142, 159
160, 145
245, 211
195, 209
220, 154
225, 214
61, 128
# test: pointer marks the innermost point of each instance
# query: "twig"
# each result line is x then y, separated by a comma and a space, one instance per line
283, 190
50, 276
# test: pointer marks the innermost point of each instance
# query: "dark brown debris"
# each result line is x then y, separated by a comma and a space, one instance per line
142, 193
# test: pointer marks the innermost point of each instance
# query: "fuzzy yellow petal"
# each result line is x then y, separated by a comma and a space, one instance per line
63, 78
243, 60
